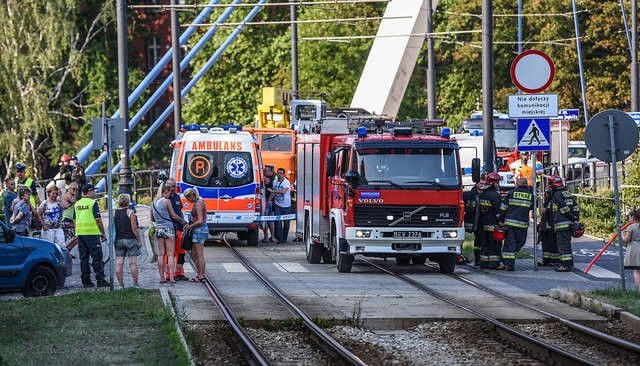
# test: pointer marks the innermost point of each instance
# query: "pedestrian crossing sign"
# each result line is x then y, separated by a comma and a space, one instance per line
533, 134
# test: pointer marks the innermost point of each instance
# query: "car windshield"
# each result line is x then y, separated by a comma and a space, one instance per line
505, 139
409, 167
577, 151
272, 142
218, 168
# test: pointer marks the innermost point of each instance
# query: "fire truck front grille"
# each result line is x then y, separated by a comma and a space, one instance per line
406, 216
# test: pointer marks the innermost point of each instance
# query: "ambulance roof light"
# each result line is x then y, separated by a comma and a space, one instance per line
191, 127
204, 129
362, 132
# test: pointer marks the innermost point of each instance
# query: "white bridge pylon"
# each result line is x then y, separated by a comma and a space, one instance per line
392, 57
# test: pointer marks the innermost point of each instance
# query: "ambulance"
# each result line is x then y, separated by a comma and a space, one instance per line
224, 165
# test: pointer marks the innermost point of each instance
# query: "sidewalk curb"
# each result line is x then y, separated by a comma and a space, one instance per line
609, 311
144, 234
166, 299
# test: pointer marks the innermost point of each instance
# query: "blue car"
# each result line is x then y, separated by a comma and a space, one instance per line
34, 266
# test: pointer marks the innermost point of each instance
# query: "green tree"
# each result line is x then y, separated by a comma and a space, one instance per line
42, 63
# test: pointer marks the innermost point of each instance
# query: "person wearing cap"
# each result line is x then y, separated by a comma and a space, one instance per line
516, 207
77, 174
22, 179
90, 232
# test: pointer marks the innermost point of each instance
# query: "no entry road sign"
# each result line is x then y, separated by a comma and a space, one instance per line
532, 71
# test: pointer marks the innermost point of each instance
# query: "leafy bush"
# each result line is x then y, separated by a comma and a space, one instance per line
598, 212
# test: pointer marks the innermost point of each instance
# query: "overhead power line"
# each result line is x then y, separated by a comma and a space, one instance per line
302, 3
346, 38
567, 14
299, 21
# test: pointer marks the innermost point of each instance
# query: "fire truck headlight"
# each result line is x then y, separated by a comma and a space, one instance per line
363, 234
450, 234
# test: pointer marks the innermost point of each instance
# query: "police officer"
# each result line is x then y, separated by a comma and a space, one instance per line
565, 211
90, 232
516, 207
471, 200
490, 215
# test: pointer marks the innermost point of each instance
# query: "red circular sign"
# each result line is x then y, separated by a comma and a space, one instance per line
532, 71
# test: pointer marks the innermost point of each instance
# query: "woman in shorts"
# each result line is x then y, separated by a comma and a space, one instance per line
200, 231
128, 241
163, 215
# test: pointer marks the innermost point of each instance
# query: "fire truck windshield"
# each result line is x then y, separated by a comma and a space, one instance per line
276, 142
409, 167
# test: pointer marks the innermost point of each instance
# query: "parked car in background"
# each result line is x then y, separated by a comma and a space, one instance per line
579, 162
34, 266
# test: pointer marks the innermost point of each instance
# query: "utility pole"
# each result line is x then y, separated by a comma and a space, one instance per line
431, 70
177, 100
487, 84
294, 50
125, 182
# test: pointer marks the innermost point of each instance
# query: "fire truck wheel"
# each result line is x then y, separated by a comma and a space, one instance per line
252, 238
313, 251
344, 262
419, 259
447, 262
403, 261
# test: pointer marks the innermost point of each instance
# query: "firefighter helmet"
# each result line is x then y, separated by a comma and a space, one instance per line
577, 229
498, 232
493, 178
556, 182
65, 157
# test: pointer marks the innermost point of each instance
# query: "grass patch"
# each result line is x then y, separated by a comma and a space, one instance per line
628, 299
90, 328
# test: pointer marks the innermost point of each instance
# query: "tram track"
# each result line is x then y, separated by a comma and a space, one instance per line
255, 344
543, 340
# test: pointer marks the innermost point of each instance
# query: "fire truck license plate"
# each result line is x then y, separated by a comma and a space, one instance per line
407, 234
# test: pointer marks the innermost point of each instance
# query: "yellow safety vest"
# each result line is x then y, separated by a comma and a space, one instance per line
27, 183
85, 222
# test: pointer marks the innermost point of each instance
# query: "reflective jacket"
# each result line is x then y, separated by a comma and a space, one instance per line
85, 219
516, 207
564, 209
471, 209
490, 213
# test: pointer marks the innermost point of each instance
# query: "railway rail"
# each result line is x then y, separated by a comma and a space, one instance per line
550, 342
255, 356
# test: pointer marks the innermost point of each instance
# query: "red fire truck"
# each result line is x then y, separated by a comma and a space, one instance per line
382, 194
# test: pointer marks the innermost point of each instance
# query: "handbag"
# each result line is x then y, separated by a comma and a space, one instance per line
187, 240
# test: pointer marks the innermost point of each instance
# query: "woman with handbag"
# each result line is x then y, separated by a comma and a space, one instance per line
199, 231
162, 214
128, 241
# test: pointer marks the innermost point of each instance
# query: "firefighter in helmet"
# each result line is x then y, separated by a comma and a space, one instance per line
564, 212
516, 207
547, 237
490, 215
471, 200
